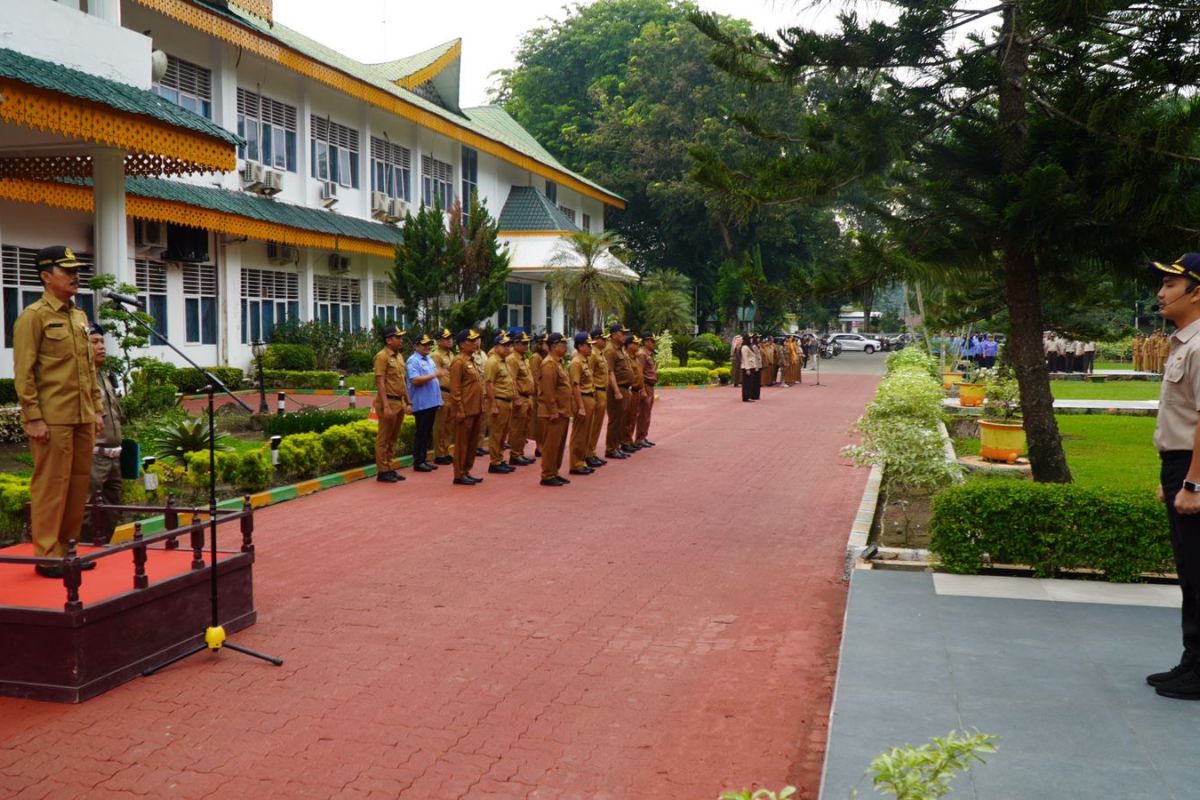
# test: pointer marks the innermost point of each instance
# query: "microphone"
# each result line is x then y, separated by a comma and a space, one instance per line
123, 299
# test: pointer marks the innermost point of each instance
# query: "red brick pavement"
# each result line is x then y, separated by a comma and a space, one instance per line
667, 627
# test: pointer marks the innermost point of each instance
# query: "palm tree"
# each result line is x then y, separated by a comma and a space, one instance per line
668, 301
585, 283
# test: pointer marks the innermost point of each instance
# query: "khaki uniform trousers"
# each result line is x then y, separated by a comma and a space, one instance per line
443, 428
644, 409
552, 449
581, 433
518, 429
617, 410
106, 479
58, 490
499, 430
466, 435
601, 400
539, 426
389, 432
629, 426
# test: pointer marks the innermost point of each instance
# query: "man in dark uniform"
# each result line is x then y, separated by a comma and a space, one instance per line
60, 404
466, 406
443, 425
518, 432
1176, 428
391, 401
620, 379
600, 382
554, 391
584, 400
500, 388
106, 455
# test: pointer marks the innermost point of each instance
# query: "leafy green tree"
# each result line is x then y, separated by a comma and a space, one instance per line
1048, 140
129, 328
584, 282
425, 265
480, 277
668, 301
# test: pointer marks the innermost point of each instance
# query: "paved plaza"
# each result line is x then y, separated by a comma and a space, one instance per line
668, 627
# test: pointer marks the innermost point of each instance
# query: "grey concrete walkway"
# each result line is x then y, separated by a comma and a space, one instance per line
1059, 681
1137, 408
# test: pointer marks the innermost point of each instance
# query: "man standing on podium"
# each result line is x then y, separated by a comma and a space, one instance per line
60, 405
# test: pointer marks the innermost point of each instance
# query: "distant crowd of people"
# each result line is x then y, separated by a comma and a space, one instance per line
1150, 352
1068, 355
759, 361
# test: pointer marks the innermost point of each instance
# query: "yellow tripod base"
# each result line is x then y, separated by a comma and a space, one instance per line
214, 638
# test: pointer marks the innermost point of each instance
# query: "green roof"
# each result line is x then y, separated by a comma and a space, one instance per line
485, 121
254, 206
120, 96
403, 67
527, 209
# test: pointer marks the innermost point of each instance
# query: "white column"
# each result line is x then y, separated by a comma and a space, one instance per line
539, 306
112, 238
305, 270
107, 10
558, 317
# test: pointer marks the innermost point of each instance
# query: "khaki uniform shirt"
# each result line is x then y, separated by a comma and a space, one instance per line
442, 359
466, 386
110, 406
391, 367
599, 369
580, 374
55, 376
645, 360
638, 380
618, 364
554, 389
497, 373
535, 369
522, 376
1179, 398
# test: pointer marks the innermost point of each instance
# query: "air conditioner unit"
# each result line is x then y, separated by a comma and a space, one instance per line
397, 209
252, 175
329, 191
282, 253
338, 263
272, 182
379, 204
150, 235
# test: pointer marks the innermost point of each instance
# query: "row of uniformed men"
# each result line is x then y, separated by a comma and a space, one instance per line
525, 388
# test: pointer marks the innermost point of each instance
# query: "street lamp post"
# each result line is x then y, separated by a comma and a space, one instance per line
259, 349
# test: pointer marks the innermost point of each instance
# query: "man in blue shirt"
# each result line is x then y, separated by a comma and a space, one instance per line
426, 398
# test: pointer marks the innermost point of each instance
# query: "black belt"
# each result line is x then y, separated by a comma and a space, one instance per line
587, 394
525, 394
503, 399
396, 397
625, 387
635, 391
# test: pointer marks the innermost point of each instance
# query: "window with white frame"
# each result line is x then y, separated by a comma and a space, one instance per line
587, 223
269, 128
391, 169
334, 152
187, 85
200, 302
387, 305
151, 279
337, 301
21, 287
437, 182
569, 213
518, 308
269, 298
470, 179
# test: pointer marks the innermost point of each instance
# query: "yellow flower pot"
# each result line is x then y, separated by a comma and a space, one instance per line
970, 394
1001, 441
951, 378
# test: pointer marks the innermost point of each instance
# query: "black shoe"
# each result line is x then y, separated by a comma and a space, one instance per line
444, 460
648, 443
501, 469
561, 479
48, 570
526, 460
477, 480
638, 446
388, 477
481, 451
397, 476
628, 449
614, 454
537, 452
86, 565
595, 462
584, 471
1185, 686
551, 482
424, 467
464, 482
1159, 678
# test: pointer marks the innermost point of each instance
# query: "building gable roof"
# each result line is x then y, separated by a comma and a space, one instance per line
527, 209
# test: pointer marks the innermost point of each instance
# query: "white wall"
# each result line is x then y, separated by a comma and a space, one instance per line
59, 33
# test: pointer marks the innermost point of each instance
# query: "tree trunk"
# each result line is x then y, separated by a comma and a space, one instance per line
1046, 456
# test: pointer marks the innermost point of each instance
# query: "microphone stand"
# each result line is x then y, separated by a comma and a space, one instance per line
214, 635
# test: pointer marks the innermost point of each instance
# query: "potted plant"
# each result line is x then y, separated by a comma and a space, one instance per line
973, 387
1001, 429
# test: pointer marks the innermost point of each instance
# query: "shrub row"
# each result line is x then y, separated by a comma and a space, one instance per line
309, 420
303, 379
14, 495
348, 445
8, 391
289, 356
246, 472
11, 429
699, 362
692, 376
189, 380
1051, 527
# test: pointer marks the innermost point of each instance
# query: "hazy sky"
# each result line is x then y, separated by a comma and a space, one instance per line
379, 30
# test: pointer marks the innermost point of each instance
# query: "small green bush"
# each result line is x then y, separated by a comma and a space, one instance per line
190, 380
712, 347
301, 455
14, 496
297, 357
349, 445
246, 472
913, 358
694, 376
148, 399
311, 419
12, 429
715, 374
185, 436
1120, 350
254, 471
696, 361
8, 392
1051, 527
359, 360
289, 379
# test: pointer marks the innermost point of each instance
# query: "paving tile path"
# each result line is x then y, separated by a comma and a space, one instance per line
667, 627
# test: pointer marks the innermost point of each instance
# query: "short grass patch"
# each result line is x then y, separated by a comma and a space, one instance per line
1114, 365
1108, 390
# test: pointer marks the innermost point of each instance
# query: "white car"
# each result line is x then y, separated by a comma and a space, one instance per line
856, 342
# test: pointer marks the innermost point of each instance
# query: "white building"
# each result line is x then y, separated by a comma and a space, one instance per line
270, 183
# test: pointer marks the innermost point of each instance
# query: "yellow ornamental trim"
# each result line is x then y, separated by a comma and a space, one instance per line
157, 148
428, 73
79, 198
229, 31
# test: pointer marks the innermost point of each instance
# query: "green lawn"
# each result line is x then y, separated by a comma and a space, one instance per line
1102, 451
1108, 390
1114, 365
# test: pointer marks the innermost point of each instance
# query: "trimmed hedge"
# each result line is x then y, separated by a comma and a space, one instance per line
11, 427
8, 392
299, 357
693, 376
192, 381
14, 495
363, 382
1051, 527
314, 420
306, 379
699, 362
